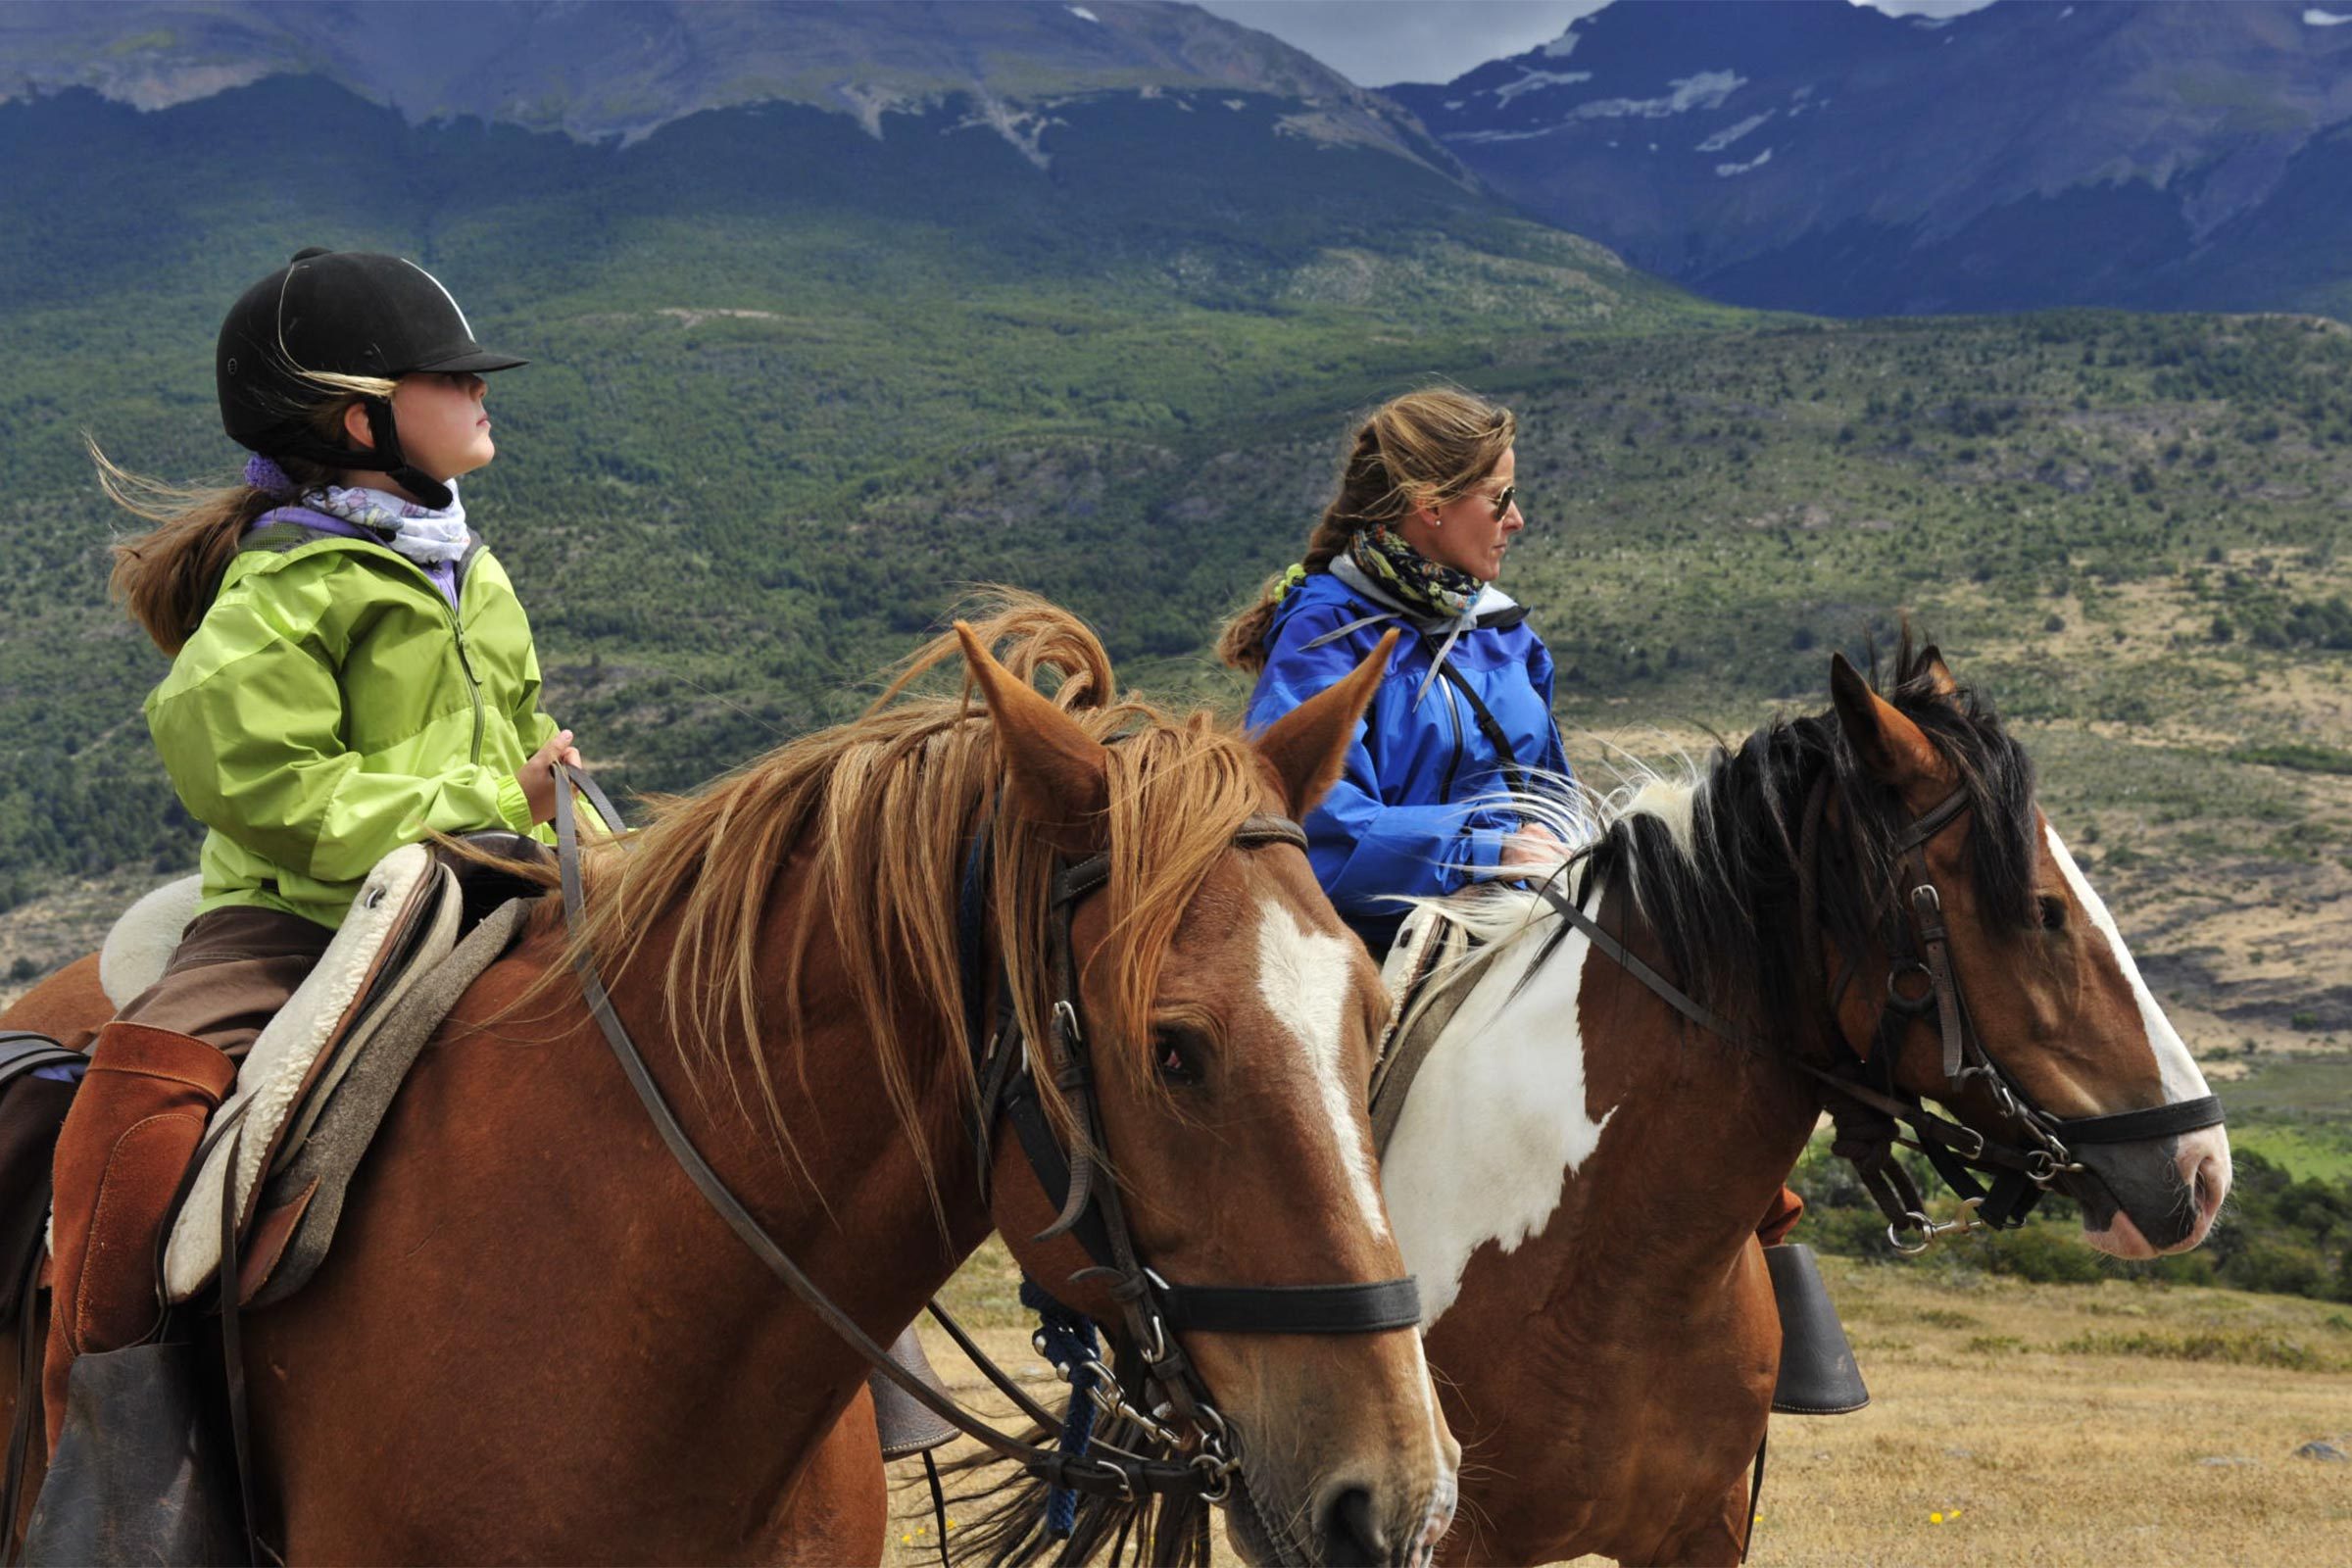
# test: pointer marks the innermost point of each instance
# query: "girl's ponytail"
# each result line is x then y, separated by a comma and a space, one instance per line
1425, 448
167, 576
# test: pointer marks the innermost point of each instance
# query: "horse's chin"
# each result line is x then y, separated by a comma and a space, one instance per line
1245, 1530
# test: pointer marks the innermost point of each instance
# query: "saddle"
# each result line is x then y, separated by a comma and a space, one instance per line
1429, 971
402, 931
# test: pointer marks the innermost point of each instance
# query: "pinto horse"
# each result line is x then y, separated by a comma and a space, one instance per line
1579, 1169
533, 1339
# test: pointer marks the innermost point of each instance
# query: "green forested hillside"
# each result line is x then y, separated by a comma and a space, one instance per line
758, 337
796, 388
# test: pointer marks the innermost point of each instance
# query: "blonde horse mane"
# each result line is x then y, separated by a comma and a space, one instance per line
874, 823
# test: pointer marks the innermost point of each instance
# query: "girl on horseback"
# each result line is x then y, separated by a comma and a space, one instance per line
351, 672
1426, 510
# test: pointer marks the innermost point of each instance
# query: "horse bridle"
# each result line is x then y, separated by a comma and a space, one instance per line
1920, 980
1868, 1108
1090, 1211
1154, 1310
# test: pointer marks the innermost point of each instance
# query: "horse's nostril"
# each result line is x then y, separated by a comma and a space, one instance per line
1351, 1532
2209, 1185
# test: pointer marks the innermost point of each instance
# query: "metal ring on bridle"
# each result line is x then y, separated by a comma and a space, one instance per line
1906, 969
1217, 1472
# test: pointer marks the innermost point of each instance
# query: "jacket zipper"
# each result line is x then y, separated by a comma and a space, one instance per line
457, 627
456, 631
473, 686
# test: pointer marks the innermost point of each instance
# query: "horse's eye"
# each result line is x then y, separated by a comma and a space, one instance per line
1176, 1056
2053, 911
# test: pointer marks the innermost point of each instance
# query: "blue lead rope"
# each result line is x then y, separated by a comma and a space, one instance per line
1066, 1339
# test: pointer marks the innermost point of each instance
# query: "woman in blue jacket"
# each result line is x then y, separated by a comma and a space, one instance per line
1415, 538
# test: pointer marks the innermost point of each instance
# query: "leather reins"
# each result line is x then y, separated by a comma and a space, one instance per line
1155, 1309
1869, 1108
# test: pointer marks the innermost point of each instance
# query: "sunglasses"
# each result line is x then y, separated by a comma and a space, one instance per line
1502, 502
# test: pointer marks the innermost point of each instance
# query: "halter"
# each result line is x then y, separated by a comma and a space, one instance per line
1154, 1308
1867, 1106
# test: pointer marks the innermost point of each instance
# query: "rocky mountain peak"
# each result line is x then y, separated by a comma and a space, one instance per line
620, 69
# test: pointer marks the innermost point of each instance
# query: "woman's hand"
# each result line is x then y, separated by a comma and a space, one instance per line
538, 775
1533, 845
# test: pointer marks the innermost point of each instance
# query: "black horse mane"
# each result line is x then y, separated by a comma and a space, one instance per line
1723, 900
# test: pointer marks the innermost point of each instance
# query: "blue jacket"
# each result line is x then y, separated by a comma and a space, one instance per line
1396, 821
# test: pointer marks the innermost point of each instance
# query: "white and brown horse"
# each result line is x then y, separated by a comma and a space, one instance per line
535, 1341
1579, 1170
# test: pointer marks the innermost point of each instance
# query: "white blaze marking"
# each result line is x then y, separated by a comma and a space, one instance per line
1302, 976
2176, 1068
1495, 1124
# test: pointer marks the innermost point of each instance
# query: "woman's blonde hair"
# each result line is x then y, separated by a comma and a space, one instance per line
167, 576
1424, 449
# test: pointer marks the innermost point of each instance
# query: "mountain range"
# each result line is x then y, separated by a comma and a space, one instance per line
1826, 157
598, 70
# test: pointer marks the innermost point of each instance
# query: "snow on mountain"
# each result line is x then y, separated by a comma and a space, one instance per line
2022, 154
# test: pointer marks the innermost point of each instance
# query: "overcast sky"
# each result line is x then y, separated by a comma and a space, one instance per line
1376, 42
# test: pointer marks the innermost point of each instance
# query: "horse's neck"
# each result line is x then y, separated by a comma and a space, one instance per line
842, 1191
1563, 1103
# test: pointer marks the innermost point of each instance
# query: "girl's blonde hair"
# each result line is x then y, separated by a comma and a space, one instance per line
167, 576
1424, 449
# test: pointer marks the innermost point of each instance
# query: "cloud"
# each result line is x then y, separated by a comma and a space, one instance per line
1377, 42
1380, 42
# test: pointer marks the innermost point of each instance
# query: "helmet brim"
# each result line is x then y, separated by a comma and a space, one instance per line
476, 361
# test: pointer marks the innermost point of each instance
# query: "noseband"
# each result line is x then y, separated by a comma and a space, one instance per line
1154, 1308
1868, 1109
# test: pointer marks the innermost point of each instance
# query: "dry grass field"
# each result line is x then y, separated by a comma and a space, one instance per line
2114, 1424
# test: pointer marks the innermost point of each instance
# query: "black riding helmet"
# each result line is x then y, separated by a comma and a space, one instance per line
346, 312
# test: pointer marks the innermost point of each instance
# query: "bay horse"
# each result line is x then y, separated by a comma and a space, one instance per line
1579, 1170
533, 1339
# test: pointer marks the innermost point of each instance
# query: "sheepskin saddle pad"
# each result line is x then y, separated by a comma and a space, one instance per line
401, 926
1428, 973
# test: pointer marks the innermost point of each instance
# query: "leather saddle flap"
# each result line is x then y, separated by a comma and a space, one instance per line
403, 922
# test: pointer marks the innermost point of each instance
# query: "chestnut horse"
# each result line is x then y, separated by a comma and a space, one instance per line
1578, 1172
534, 1340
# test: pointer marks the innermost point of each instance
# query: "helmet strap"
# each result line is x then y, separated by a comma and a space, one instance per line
390, 459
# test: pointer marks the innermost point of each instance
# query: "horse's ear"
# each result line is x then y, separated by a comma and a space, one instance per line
1938, 674
1894, 749
1309, 745
1059, 775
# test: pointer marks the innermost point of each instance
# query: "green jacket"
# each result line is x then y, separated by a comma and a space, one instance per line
332, 708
